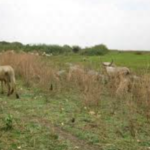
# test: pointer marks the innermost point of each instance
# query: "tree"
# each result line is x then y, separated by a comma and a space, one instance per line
76, 49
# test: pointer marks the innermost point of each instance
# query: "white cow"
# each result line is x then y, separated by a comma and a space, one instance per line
113, 70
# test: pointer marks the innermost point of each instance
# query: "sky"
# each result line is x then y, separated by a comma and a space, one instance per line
119, 24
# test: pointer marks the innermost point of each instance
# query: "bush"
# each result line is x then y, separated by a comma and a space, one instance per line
67, 48
76, 49
10, 46
138, 53
96, 50
17, 46
8, 122
54, 49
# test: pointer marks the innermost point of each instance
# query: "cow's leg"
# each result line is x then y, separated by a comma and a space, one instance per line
2, 87
11, 91
8, 86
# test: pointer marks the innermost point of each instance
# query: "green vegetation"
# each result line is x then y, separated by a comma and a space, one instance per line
96, 50
8, 122
68, 117
137, 63
45, 122
53, 49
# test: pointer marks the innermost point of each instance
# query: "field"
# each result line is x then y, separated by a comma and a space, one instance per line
80, 114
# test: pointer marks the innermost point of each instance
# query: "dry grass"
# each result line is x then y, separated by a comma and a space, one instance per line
92, 91
30, 68
112, 86
36, 73
141, 94
87, 84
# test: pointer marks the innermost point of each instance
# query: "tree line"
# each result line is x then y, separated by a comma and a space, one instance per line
100, 49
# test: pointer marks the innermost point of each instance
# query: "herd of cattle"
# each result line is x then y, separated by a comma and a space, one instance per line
7, 76
111, 72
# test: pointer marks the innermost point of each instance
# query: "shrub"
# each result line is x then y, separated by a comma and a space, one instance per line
17, 46
76, 49
138, 53
67, 48
96, 50
8, 122
54, 49
10, 46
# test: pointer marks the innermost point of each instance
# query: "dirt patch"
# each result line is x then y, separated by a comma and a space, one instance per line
77, 144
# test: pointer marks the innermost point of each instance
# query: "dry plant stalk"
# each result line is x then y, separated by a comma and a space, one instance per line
141, 94
92, 91
30, 68
35, 72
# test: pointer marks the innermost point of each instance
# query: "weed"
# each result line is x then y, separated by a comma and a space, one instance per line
8, 121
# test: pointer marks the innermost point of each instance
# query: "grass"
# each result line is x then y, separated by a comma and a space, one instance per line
129, 59
37, 116
65, 118
27, 133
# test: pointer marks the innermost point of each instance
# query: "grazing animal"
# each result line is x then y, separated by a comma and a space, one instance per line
7, 76
75, 69
92, 74
60, 72
113, 70
47, 55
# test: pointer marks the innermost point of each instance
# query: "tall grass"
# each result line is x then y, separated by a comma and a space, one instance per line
37, 73
30, 68
92, 92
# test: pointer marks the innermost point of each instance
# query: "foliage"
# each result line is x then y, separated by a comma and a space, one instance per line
17, 46
53, 49
96, 50
8, 122
67, 121
76, 49
10, 46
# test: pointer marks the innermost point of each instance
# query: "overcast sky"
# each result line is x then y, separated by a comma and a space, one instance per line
120, 24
